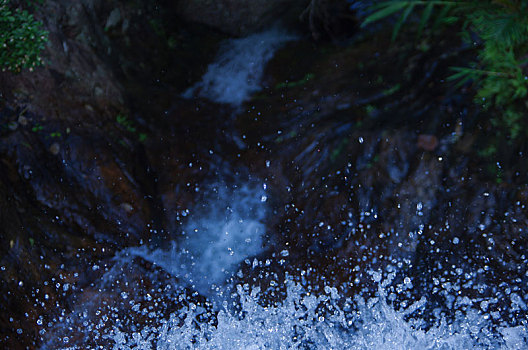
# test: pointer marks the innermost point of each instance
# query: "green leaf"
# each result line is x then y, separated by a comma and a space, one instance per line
464, 75
441, 15
449, 19
461, 72
387, 10
402, 20
425, 17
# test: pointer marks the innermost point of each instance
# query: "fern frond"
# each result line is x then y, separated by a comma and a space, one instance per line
389, 8
442, 15
402, 20
500, 30
425, 17
384, 10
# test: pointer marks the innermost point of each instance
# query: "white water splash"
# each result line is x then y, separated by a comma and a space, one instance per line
237, 71
119, 317
299, 323
302, 320
227, 229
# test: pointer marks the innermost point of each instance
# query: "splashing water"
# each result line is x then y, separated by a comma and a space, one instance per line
135, 306
220, 235
238, 68
299, 322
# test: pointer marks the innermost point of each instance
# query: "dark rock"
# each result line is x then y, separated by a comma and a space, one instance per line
240, 17
427, 142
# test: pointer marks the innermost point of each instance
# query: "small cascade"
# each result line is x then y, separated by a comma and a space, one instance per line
237, 71
226, 228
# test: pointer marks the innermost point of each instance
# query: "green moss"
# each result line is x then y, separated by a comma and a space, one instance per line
130, 127
392, 90
126, 123
370, 110
22, 39
291, 84
37, 127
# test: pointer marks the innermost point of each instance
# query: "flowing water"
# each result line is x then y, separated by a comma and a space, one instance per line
202, 289
238, 69
227, 229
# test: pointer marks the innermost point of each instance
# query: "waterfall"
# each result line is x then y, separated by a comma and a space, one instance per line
237, 71
221, 232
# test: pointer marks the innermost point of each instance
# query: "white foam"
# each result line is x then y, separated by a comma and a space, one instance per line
299, 323
227, 229
303, 320
219, 235
236, 73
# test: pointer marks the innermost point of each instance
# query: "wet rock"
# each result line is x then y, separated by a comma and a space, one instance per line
54, 148
30, 272
98, 91
127, 207
12, 126
68, 206
351, 183
102, 192
240, 17
131, 293
330, 18
22, 120
113, 19
427, 142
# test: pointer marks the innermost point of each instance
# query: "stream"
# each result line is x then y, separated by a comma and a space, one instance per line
303, 231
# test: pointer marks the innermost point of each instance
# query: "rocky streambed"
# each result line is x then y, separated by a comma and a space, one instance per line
138, 213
